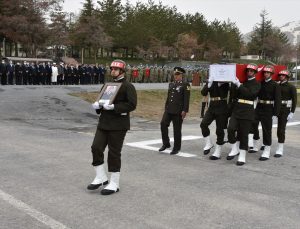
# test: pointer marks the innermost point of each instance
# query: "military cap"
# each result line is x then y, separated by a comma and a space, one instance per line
179, 70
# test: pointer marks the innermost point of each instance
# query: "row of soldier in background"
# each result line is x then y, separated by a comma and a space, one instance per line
50, 74
64, 74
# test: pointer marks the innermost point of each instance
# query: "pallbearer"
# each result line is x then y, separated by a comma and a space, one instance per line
268, 106
287, 108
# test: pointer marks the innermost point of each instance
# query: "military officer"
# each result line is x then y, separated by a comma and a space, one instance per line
218, 111
114, 122
287, 108
176, 108
268, 105
242, 114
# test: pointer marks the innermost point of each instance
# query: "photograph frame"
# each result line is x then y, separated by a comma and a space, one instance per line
108, 93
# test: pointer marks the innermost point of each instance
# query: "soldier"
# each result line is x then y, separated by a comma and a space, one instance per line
114, 122
176, 108
268, 105
19, 74
218, 111
3, 73
287, 108
243, 114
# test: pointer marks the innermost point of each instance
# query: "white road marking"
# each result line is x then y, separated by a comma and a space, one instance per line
47, 220
146, 145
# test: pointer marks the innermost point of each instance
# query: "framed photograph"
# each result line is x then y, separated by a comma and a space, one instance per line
108, 93
222, 72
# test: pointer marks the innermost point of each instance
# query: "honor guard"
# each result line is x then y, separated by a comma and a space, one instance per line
268, 106
176, 108
114, 122
218, 111
243, 114
287, 108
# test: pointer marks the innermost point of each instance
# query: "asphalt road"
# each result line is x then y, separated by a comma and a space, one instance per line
45, 166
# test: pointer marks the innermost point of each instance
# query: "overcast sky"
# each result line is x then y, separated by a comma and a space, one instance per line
245, 13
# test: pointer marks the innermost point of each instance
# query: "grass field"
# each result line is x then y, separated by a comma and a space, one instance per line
151, 103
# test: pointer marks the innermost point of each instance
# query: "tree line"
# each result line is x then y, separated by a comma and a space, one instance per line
144, 30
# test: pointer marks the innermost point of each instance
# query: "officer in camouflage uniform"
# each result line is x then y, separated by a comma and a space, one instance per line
287, 108
268, 105
176, 108
114, 122
243, 114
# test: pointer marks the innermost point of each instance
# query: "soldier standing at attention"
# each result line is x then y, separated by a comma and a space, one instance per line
114, 122
268, 105
287, 108
218, 111
243, 114
176, 108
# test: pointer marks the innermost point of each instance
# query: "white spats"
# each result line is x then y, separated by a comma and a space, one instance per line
279, 151
234, 149
266, 153
242, 157
208, 143
113, 185
250, 141
101, 176
217, 153
255, 145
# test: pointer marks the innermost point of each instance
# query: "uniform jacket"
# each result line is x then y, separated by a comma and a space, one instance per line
269, 91
217, 90
125, 102
247, 91
289, 92
178, 97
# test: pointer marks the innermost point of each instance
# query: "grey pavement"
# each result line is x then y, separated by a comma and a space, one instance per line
45, 166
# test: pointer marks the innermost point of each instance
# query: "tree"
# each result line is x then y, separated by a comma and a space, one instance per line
187, 45
88, 32
59, 31
266, 40
24, 22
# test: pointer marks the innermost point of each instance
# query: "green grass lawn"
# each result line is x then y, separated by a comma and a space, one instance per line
151, 102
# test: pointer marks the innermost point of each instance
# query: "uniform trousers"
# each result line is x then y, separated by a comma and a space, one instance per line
266, 123
221, 124
238, 130
114, 140
177, 126
282, 120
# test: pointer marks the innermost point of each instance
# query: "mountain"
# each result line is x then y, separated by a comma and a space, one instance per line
291, 29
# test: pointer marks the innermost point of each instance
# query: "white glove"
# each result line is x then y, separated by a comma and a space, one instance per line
236, 82
290, 116
108, 107
96, 105
209, 84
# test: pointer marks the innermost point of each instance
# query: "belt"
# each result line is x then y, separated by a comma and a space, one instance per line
217, 99
245, 101
266, 101
286, 101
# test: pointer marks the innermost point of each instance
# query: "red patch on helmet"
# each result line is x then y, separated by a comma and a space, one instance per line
116, 64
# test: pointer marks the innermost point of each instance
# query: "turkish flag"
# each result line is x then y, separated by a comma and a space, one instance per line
241, 72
